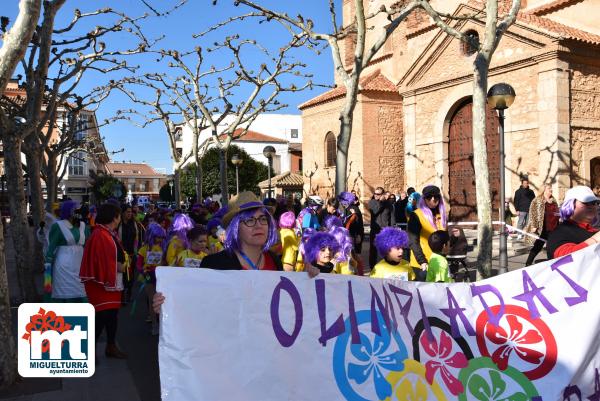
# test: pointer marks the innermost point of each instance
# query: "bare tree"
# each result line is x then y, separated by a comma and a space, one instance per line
13, 48
348, 73
201, 94
55, 64
495, 28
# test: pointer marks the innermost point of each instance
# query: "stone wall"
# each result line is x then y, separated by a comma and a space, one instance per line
585, 121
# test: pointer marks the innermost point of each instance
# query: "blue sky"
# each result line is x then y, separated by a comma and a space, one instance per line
150, 144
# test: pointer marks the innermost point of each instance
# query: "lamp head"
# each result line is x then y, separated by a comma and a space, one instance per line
269, 151
501, 96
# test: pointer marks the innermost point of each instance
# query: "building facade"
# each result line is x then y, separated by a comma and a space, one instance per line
412, 123
139, 179
282, 131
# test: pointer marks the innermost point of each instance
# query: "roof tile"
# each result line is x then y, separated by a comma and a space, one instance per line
375, 81
252, 136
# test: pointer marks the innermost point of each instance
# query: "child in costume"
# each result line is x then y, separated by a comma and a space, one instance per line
197, 249
177, 237
438, 265
319, 249
150, 256
214, 240
346, 262
390, 242
290, 258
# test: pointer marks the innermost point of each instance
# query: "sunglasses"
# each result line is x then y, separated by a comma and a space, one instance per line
376, 194
592, 203
436, 197
251, 222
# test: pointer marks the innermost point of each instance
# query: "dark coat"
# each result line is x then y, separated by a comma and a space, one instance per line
382, 214
523, 198
225, 260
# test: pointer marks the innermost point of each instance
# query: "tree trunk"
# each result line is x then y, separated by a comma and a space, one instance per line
19, 228
177, 187
17, 38
223, 171
484, 201
8, 352
51, 182
199, 181
34, 166
343, 140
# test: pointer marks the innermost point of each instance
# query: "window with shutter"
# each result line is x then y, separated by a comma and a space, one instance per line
330, 149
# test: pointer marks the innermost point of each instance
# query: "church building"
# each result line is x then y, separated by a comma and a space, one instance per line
412, 123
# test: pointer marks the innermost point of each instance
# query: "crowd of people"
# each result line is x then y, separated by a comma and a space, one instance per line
98, 254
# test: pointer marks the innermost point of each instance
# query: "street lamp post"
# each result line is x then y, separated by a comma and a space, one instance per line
269, 152
237, 161
171, 186
500, 97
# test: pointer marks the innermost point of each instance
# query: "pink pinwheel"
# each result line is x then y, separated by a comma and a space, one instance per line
515, 341
441, 360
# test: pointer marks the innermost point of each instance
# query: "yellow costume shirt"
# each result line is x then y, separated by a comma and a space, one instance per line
189, 258
402, 271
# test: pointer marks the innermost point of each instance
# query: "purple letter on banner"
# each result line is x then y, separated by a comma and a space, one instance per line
337, 327
425, 319
387, 311
352, 311
530, 292
571, 390
452, 312
581, 292
404, 309
479, 290
285, 339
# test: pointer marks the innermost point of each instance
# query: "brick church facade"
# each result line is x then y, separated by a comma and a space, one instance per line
412, 122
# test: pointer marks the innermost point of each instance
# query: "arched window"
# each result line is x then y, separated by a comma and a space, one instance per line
468, 48
330, 149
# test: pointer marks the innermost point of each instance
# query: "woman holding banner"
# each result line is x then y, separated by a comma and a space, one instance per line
250, 233
578, 213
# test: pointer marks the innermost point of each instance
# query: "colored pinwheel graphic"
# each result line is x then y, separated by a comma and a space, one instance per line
360, 370
412, 385
442, 355
518, 341
484, 381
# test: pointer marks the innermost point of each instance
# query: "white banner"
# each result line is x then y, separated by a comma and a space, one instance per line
531, 334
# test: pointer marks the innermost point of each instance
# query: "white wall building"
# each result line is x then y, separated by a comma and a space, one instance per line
277, 130
77, 181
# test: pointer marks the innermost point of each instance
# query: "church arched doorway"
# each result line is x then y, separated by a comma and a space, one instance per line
461, 171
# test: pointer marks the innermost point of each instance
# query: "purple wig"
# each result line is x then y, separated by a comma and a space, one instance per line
332, 221
346, 198
390, 237
344, 240
154, 231
67, 208
567, 209
213, 223
317, 241
429, 215
220, 213
287, 220
180, 226
232, 237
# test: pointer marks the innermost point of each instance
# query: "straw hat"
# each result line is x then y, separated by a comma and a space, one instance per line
244, 201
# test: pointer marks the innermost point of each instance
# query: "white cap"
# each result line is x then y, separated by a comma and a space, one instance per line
316, 199
581, 193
